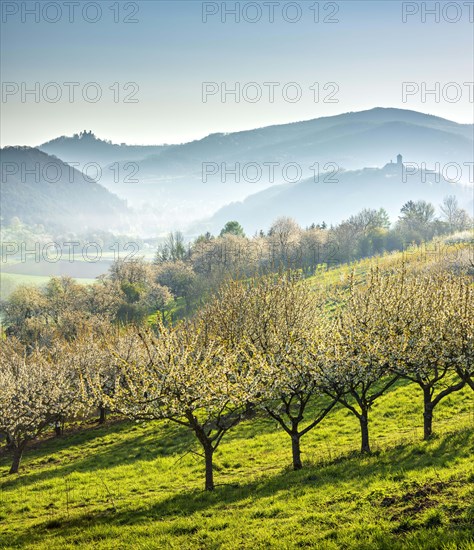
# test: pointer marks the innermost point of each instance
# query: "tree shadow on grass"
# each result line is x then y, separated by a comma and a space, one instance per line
172, 440
84, 433
397, 461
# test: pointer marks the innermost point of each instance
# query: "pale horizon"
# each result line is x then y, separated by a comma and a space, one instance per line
198, 137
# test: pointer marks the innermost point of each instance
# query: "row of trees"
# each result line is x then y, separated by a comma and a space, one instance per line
134, 289
128, 293
272, 344
204, 263
364, 234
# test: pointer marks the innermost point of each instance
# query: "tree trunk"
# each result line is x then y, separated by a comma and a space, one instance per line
295, 447
250, 411
17, 454
427, 414
57, 428
102, 414
206, 443
208, 453
364, 430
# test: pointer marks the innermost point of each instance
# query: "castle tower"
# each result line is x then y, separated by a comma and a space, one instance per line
399, 159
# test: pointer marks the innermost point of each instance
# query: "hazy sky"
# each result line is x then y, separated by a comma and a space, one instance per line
359, 62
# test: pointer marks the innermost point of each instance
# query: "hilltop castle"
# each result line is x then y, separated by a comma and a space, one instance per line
399, 160
395, 165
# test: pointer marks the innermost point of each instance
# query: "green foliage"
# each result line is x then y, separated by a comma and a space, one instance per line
132, 291
232, 228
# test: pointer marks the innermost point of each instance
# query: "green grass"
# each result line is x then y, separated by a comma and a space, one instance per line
429, 253
134, 485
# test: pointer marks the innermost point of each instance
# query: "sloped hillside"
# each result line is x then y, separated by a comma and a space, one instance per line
337, 195
42, 189
132, 485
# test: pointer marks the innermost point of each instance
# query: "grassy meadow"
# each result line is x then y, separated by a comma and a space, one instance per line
140, 485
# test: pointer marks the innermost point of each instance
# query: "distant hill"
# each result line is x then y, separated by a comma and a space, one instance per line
86, 147
353, 140
42, 189
338, 196
171, 190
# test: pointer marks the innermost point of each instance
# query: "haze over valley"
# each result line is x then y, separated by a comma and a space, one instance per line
317, 170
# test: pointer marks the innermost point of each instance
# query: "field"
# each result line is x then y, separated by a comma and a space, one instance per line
14, 272
9, 281
133, 485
